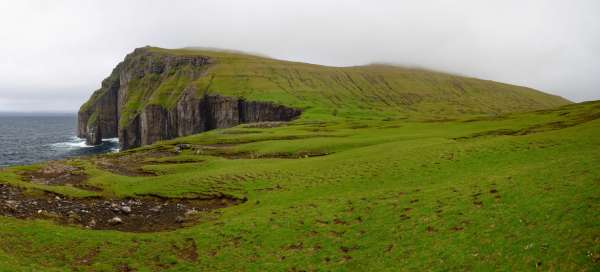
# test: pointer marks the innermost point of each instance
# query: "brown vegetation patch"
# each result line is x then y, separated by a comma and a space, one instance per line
265, 124
57, 174
487, 118
188, 251
439, 120
225, 152
457, 228
240, 132
431, 229
145, 214
88, 258
130, 164
174, 161
557, 125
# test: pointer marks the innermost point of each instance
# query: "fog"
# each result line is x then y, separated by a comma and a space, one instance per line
53, 54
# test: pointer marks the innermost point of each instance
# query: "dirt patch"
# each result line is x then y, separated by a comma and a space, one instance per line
298, 155
439, 120
577, 120
174, 161
131, 164
241, 132
265, 124
88, 258
487, 118
188, 251
457, 228
431, 229
58, 174
214, 146
225, 151
273, 138
146, 214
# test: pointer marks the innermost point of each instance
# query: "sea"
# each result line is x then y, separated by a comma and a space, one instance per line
31, 138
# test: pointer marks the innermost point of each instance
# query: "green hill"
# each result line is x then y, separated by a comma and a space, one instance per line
384, 185
188, 91
360, 91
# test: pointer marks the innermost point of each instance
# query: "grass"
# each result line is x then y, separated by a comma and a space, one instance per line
514, 192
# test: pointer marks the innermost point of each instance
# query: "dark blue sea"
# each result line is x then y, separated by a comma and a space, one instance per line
26, 139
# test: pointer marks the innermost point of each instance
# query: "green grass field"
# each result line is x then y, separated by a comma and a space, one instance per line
353, 192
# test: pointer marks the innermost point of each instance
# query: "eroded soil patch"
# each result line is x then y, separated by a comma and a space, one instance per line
232, 154
147, 214
131, 164
578, 120
56, 173
272, 124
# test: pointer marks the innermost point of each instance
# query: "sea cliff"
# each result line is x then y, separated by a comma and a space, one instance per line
151, 97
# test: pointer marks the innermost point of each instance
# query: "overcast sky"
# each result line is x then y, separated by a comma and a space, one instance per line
53, 54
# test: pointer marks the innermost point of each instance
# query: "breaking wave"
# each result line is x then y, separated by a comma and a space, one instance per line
74, 142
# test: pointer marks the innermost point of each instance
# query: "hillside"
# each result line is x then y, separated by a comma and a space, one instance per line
361, 91
509, 192
301, 167
168, 89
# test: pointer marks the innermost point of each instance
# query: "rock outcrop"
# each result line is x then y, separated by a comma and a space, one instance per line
193, 115
124, 107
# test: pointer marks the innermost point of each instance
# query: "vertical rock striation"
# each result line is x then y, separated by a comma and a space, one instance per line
193, 115
130, 104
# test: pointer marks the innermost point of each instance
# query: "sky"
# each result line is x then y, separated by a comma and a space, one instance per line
54, 54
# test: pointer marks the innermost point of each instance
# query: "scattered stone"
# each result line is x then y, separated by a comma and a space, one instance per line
126, 209
73, 217
12, 205
115, 221
146, 214
191, 212
115, 207
184, 146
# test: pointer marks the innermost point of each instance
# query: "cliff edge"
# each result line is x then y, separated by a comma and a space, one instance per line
150, 96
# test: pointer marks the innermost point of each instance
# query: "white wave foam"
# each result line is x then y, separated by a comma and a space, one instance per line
112, 140
74, 142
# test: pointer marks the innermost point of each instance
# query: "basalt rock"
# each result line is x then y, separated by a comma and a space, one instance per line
108, 113
194, 115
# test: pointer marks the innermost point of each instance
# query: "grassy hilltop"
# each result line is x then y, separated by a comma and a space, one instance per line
370, 178
355, 92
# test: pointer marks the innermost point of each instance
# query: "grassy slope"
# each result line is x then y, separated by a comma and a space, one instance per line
361, 91
392, 195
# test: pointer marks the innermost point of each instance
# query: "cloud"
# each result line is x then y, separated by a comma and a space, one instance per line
70, 46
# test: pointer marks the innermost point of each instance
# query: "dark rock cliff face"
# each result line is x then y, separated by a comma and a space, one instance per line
104, 113
101, 116
193, 115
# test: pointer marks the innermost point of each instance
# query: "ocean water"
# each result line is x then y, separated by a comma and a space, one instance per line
29, 139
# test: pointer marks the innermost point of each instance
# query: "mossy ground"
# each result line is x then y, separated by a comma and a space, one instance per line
516, 192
